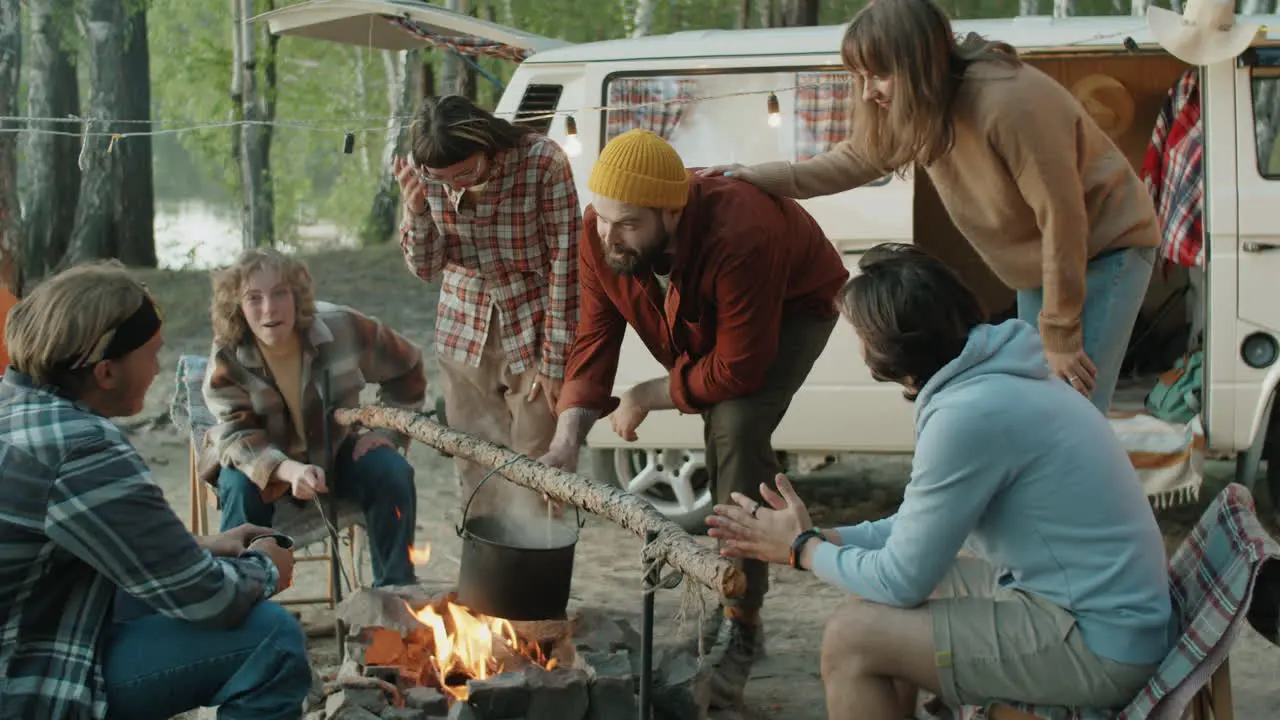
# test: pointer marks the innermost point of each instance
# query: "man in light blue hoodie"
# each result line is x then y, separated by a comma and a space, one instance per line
1063, 595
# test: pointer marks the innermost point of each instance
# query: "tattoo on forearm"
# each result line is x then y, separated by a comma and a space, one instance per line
573, 426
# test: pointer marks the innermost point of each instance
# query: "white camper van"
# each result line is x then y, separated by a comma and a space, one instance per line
750, 96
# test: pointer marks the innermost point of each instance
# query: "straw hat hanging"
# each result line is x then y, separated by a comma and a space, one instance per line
1107, 101
1206, 32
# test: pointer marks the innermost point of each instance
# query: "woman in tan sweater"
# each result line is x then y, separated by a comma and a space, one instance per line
1042, 194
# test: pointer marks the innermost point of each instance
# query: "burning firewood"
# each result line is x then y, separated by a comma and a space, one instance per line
345, 683
673, 546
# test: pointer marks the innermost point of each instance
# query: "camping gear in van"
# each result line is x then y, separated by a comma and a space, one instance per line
1176, 396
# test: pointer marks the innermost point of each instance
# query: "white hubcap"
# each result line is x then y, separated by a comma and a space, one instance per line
673, 481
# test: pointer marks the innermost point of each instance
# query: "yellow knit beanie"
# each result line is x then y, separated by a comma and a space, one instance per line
640, 168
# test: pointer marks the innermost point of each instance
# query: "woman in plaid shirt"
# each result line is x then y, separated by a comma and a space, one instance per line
490, 208
274, 345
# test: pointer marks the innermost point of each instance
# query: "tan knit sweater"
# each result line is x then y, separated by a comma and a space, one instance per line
1031, 181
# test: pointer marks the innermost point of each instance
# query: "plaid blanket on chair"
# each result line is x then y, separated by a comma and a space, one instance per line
1212, 579
189, 414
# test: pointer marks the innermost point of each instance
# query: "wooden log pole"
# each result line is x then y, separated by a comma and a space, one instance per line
674, 546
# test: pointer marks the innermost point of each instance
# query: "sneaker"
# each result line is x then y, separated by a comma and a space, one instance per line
737, 648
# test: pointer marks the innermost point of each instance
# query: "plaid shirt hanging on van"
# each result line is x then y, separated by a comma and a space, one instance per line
1173, 173
516, 247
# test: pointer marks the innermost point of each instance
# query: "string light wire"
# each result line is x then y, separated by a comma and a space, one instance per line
343, 125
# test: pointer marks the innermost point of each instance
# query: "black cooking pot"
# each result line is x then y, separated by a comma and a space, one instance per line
503, 576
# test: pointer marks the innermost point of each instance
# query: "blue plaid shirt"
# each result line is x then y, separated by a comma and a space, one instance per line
80, 517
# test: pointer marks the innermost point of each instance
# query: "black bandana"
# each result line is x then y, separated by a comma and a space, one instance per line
136, 331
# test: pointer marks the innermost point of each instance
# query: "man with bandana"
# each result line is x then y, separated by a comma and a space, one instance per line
109, 607
732, 291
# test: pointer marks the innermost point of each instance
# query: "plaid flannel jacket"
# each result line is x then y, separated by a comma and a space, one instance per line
254, 424
80, 517
516, 249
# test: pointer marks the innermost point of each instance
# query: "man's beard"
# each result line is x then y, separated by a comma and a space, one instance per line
631, 263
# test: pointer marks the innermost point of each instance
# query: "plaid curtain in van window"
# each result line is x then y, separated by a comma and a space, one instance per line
655, 104
822, 111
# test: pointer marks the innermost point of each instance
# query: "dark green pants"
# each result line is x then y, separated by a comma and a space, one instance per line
739, 432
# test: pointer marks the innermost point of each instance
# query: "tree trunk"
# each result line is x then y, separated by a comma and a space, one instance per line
801, 13
255, 135
380, 225
95, 236
136, 232
52, 185
362, 101
237, 80
744, 15
642, 23
1028, 7
451, 65
426, 79
10, 209
465, 85
674, 546
1064, 8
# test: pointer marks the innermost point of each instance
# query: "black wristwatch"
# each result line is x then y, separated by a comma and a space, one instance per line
798, 544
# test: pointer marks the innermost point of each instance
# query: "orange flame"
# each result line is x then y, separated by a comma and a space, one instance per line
420, 556
467, 649
460, 643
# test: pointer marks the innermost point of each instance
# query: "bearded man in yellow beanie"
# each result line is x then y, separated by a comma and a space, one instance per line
732, 290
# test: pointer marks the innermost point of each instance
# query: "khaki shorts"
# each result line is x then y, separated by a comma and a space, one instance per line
997, 644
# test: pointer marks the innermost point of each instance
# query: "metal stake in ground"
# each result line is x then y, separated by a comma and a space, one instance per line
651, 582
329, 516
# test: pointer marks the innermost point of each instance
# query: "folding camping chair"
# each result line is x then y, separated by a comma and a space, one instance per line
1212, 580
304, 524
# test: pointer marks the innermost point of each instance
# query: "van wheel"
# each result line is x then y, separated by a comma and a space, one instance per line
674, 481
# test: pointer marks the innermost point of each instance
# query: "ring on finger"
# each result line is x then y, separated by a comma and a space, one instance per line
755, 510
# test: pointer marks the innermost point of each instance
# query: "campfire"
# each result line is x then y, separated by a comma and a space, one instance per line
450, 644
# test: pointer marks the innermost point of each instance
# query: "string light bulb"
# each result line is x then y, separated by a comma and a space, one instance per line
572, 146
775, 114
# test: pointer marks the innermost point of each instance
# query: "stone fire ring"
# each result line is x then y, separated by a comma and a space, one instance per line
595, 674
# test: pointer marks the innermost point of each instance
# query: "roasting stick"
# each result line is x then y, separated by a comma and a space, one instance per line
672, 545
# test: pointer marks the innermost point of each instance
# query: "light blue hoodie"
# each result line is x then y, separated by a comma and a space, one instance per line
1025, 468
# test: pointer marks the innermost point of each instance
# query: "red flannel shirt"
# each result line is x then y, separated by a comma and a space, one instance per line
743, 260
516, 248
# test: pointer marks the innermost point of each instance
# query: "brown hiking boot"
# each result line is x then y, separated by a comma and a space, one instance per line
736, 648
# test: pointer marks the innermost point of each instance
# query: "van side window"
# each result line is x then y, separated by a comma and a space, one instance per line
1265, 82
725, 116
538, 106
656, 104
822, 113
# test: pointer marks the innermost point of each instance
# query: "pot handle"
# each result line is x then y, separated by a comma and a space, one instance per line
466, 509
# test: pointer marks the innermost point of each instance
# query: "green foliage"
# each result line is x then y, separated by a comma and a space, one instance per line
191, 59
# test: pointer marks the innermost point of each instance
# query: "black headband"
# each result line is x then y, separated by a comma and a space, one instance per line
136, 331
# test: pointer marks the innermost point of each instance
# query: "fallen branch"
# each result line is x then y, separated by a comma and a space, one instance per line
673, 546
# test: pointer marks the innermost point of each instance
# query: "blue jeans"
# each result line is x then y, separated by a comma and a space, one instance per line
381, 482
156, 667
1116, 283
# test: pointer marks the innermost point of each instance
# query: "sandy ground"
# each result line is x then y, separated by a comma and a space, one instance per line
607, 565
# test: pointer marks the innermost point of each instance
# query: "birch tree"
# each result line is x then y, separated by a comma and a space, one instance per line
401, 81
642, 23
258, 108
